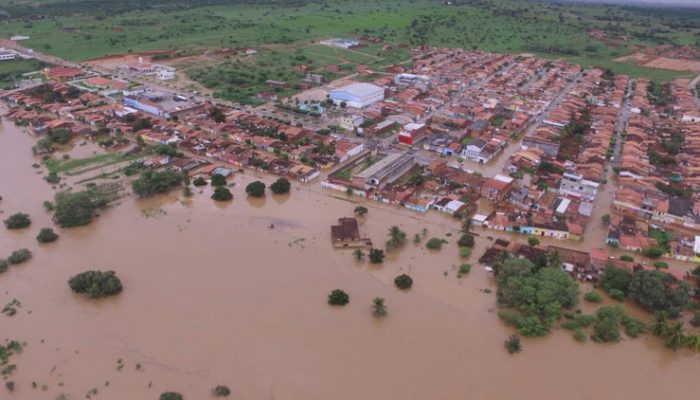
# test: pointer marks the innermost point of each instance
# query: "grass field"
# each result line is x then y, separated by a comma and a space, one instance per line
290, 27
79, 166
12, 70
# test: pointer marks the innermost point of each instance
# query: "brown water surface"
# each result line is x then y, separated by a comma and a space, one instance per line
214, 296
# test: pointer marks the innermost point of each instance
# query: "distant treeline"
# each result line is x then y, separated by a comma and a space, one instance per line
111, 7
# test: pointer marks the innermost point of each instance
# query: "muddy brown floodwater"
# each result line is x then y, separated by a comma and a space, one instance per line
214, 296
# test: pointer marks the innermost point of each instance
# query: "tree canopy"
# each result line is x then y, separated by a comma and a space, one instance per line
659, 291
281, 186
222, 193
151, 182
255, 189
96, 283
77, 208
18, 221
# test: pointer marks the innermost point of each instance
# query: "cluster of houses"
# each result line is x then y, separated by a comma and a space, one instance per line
657, 202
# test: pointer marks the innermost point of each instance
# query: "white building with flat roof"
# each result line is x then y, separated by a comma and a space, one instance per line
357, 95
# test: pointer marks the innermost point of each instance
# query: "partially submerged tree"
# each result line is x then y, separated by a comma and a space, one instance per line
18, 221
403, 281
378, 307
47, 235
255, 189
338, 298
281, 186
96, 283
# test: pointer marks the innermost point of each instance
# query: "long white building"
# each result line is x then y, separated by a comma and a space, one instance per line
357, 95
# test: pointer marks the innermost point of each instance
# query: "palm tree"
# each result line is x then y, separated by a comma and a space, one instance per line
693, 342
359, 254
658, 326
467, 225
675, 336
378, 308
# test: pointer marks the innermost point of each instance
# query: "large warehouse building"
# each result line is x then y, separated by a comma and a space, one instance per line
357, 95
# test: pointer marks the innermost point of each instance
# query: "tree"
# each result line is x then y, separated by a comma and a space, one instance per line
660, 323
218, 180
359, 254
361, 211
255, 189
614, 278
466, 241
18, 221
693, 342
281, 186
338, 298
151, 182
533, 241
199, 182
47, 235
606, 219
376, 256
607, 327
659, 291
222, 193
61, 136
512, 344
221, 391
435, 243
378, 307
96, 283
675, 336
653, 252
403, 282
397, 237
3, 265
19, 256
171, 396
77, 208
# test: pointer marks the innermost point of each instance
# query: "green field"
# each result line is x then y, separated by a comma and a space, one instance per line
12, 70
82, 29
79, 166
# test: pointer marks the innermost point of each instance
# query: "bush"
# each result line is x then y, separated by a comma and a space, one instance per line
607, 327
633, 326
435, 243
659, 291
403, 282
695, 321
464, 269
533, 241
18, 221
616, 294
509, 317
466, 241
221, 391
96, 283
584, 321
593, 296
19, 256
47, 235
199, 182
218, 180
171, 396
661, 265
614, 278
376, 256
513, 344
338, 298
222, 193
580, 336
77, 208
255, 189
653, 252
465, 252
3, 265
532, 326
281, 186
361, 211
626, 258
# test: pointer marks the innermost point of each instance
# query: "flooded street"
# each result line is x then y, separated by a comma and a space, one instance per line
212, 295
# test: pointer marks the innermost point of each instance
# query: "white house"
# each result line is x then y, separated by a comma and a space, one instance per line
575, 185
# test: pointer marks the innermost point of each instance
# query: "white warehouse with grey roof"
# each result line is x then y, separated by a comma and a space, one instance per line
357, 95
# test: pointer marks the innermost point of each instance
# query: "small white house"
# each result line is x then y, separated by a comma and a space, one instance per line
165, 74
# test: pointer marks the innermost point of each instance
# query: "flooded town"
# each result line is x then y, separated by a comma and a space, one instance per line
463, 224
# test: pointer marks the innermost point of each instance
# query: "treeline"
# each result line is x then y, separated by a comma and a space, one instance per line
110, 8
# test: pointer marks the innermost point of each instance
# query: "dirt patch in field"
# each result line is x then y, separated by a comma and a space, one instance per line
673, 64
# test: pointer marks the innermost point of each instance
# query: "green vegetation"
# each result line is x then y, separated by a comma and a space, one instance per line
361, 211
338, 298
580, 336
376, 256
614, 278
218, 180
536, 295
11, 71
7, 350
200, 182
3, 265
19, 256
96, 283
222, 193
435, 243
77, 209
403, 282
397, 238
513, 345
281, 186
77, 166
221, 391
47, 235
18, 221
533, 241
379, 309
607, 325
151, 182
659, 291
466, 241
633, 326
170, 396
463, 270
255, 189
593, 296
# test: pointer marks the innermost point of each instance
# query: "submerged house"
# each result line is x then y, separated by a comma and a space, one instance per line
347, 234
